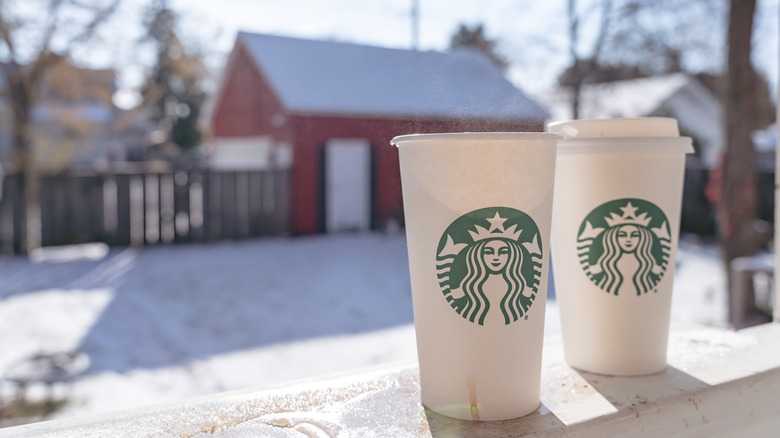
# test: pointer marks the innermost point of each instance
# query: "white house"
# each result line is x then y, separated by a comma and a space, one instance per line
74, 122
697, 110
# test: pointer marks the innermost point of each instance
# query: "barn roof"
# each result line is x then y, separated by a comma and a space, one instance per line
333, 78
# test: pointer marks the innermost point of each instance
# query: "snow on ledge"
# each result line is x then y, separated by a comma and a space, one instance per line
718, 383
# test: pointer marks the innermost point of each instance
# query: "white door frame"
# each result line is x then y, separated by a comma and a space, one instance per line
348, 194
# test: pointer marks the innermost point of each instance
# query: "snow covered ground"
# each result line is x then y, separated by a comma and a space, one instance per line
169, 322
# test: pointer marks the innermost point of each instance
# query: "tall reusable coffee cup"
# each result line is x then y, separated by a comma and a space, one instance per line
618, 193
478, 210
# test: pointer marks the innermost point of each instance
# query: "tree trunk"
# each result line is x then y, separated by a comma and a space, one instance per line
576, 66
576, 89
19, 93
737, 210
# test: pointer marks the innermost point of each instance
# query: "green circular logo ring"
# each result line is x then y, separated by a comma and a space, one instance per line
624, 246
489, 265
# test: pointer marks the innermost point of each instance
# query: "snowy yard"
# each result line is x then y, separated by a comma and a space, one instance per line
169, 322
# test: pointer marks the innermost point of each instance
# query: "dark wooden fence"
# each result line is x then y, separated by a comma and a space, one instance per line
698, 214
149, 208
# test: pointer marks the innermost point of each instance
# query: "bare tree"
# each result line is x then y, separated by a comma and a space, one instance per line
625, 39
584, 65
737, 209
663, 36
30, 45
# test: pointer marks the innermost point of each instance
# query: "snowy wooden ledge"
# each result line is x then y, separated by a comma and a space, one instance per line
718, 383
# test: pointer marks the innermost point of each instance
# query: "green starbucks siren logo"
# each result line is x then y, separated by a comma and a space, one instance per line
489, 265
624, 246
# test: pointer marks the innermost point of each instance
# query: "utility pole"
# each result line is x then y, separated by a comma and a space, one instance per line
415, 24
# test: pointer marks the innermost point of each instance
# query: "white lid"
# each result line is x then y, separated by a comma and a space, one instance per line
643, 135
628, 127
475, 136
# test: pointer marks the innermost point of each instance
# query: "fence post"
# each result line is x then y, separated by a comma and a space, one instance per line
257, 220
167, 208
7, 226
135, 208
282, 201
182, 220
197, 206
229, 204
243, 218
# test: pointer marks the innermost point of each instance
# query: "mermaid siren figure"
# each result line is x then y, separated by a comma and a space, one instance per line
627, 256
495, 276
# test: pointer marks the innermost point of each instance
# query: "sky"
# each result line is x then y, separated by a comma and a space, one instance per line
531, 34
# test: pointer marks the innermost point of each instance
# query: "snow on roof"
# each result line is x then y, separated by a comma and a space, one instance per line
325, 77
765, 140
629, 98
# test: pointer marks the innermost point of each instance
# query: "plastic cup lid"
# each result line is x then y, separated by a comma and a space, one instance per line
643, 135
628, 127
475, 136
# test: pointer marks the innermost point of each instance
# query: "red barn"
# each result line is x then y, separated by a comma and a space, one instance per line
327, 110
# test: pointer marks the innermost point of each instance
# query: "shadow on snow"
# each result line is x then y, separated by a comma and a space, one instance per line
184, 302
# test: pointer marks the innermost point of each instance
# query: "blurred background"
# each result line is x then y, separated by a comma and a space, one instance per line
200, 196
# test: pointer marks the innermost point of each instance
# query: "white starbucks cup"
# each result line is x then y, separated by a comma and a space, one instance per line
618, 192
478, 210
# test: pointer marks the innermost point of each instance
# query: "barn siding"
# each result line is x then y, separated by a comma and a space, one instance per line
312, 132
248, 104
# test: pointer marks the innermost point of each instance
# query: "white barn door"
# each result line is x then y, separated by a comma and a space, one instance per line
347, 185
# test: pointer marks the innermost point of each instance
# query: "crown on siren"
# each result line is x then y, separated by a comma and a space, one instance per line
629, 217
496, 230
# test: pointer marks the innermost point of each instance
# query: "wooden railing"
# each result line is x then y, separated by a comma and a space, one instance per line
137, 208
718, 384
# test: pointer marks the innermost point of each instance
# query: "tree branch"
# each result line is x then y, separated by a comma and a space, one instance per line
5, 36
51, 29
606, 15
100, 15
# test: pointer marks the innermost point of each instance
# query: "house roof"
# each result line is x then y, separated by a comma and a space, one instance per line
628, 98
325, 77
